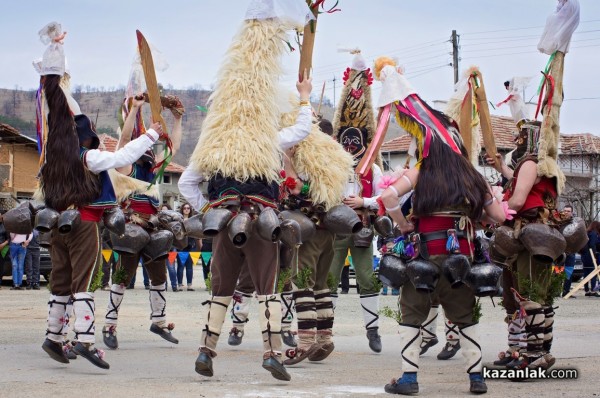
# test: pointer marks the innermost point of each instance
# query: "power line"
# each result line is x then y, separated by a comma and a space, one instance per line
513, 29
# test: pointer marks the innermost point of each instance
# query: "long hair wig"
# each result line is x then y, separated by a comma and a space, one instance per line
448, 181
64, 179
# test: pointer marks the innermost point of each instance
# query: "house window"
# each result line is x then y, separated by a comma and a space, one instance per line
167, 179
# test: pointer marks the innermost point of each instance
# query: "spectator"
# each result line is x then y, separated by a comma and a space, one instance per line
18, 250
587, 252
567, 214
32, 262
3, 235
192, 246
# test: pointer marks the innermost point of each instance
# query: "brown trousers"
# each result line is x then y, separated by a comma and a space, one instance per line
76, 257
157, 270
317, 255
260, 256
457, 303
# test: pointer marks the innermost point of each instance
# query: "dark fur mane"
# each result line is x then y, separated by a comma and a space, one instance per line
64, 179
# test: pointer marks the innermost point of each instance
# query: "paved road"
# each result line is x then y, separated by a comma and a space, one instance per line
146, 365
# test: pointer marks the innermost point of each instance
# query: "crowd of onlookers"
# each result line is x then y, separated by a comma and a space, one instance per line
24, 254
175, 268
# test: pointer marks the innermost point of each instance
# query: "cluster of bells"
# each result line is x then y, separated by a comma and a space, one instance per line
546, 245
169, 228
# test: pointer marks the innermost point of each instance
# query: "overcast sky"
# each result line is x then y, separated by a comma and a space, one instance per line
498, 36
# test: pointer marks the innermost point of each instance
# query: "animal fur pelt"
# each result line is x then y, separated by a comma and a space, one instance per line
239, 135
327, 165
126, 186
453, 109
550, 131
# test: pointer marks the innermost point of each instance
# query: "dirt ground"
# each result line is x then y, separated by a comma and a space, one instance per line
145, 365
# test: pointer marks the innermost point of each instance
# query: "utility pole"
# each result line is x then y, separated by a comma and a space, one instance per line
334, 93
455, 38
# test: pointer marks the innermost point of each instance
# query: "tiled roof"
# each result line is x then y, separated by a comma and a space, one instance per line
110, 144
503, 128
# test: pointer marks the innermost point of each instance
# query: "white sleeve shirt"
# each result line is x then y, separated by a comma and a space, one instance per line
97, 161
189, 187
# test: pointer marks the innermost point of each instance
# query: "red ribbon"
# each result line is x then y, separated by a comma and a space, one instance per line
550, 83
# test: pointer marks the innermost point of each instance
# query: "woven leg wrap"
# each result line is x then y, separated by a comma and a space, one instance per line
307, 317
470, 347
115, 299
429, 327
370, 306
548, 326
240, 309
287, 311
57, 309
83, 308
452, 332
534, 326
68, 316
334, 298
517, 338
269, 311
324, 307
410, 341
158, 303
217, 309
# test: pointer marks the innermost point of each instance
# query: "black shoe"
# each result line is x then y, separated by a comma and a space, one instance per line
402, 388
448, 351
276, 368
129, 287
109, 336
478, 385
36, 287
426, 344
344, 292
175, 289
204, 364
55, 350
92, 355
288, 338
68, 350
165, 333
190, 289
235, 336
16, 288
28, 287
374, 339
146, 287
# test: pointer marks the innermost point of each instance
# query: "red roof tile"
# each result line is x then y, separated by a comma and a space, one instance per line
503, 128
110, 144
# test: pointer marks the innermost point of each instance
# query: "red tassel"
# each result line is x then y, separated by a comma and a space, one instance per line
381, 210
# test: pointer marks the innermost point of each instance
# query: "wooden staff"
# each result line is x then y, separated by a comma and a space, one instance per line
321, 99
484, 116
466, 122
308, 44
151, 82
587, 278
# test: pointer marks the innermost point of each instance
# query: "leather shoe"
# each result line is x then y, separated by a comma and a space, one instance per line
55, 351
448, 351
402, 388
164, 332
288, 338
93, 355
109, 336
426, 344
374, 339
322, 353
276, 368
204, 364
235, 336
298, 355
